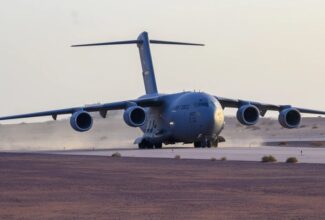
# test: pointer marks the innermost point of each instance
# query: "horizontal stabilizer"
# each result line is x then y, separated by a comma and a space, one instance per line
137, 42
108, 43
174, 43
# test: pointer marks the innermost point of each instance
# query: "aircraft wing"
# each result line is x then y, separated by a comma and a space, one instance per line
101, 108
263, 107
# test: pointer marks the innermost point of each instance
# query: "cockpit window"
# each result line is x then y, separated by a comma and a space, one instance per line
199, 104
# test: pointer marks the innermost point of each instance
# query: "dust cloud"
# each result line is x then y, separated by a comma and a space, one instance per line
112, 132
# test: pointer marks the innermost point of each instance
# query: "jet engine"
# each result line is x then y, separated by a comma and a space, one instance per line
248, 114
290, 118
81, 121
135, 116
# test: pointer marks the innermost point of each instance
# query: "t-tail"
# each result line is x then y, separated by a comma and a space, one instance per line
143, 44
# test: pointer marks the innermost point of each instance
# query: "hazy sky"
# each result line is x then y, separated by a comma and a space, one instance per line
264, 50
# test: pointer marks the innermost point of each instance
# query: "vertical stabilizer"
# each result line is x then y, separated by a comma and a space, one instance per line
143, 43
146, 63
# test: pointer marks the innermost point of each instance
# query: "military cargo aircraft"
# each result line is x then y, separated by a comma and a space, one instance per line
185, 117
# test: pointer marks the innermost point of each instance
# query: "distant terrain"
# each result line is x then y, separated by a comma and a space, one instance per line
112, 132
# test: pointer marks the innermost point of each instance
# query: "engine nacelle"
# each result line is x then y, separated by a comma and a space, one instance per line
135, 116
290, 118
248, 114
81, 121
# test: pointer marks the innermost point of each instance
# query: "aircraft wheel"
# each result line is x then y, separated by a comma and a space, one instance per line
204, 144
158, 145
150, 146
197, 144
141, 146
145, 145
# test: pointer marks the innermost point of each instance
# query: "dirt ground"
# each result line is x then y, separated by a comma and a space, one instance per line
88, 187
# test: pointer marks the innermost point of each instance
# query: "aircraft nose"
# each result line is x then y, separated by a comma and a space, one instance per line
218, 115
208, 117
214, 119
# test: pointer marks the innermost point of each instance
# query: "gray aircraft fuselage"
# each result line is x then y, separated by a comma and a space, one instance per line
185, 117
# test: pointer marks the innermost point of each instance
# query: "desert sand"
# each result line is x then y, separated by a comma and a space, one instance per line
90, 187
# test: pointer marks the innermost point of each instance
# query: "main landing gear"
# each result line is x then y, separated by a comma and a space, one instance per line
202, 144
209, 143
147, 145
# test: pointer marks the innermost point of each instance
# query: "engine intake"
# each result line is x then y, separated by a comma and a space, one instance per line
81, 121
248, 114
290, 118
135, 116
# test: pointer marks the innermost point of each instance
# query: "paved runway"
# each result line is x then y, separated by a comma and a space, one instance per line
304, 155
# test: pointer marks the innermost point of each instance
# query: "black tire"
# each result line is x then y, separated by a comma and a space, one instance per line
158, 145
145, 145
197, 144
203, 144
141, 146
